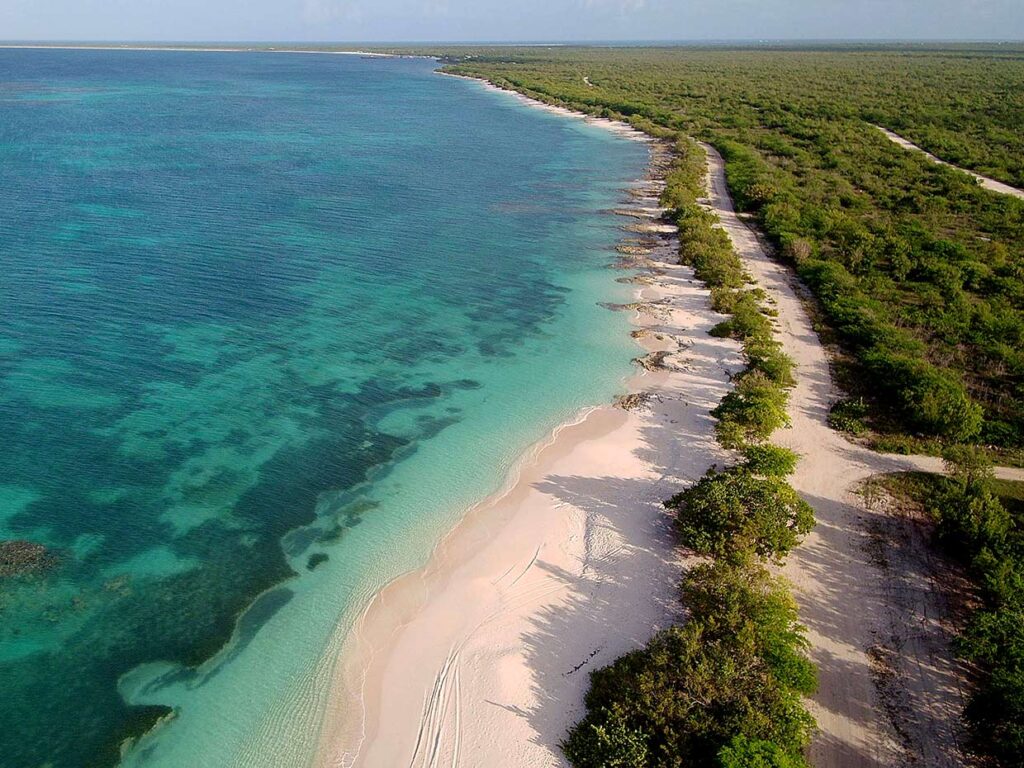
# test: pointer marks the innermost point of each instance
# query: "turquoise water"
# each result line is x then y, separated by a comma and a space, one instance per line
269, 324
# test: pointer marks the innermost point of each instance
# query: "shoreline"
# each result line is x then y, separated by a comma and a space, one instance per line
615, 126
483, 654
197, 49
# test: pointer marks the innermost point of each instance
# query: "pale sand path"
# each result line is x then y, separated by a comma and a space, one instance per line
849, 600
482, 658
989, 184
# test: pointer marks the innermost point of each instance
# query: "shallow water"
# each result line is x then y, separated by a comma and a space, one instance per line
268, 325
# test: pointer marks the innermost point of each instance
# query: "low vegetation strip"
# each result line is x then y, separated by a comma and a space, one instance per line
727, 686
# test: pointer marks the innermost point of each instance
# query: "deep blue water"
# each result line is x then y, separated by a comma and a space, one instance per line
267, 322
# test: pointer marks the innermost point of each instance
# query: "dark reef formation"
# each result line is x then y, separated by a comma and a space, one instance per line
19, 558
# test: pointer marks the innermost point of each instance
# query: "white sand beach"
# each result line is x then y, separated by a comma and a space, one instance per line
482, 657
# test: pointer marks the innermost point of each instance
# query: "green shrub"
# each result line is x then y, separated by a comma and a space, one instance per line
724, 299
742, 752
738, 666
747, 321
766, 355
940, 406
969, 466
848, 416
754, 409
729, 597
735, 511
685, 181
977, 519
997, 712
605, 741
986, 535
929, 399
691, 694
967, 511
994, 639
770, 460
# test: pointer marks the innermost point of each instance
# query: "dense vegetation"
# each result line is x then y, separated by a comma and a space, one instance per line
726, 687
981, 522
918, 271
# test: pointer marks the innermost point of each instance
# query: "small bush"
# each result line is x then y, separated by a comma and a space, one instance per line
770, 460
730, 596
931, 400
976, 518
691, 695
742, 752
747, 320
736, 511
751, 411
848, 416
605, 741
797, 249
969, 466
941, 406
766, 355
738, 666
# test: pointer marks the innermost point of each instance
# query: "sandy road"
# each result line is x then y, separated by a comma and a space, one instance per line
990, 184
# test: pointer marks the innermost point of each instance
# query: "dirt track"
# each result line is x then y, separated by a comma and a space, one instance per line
990, 184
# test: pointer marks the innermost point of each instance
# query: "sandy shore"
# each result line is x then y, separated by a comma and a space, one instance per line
615, 126
482, 657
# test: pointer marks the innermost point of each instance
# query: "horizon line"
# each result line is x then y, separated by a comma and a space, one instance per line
517, 43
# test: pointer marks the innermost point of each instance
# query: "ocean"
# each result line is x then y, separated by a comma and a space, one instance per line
269, 325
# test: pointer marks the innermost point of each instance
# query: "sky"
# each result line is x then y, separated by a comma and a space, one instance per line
509, 20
